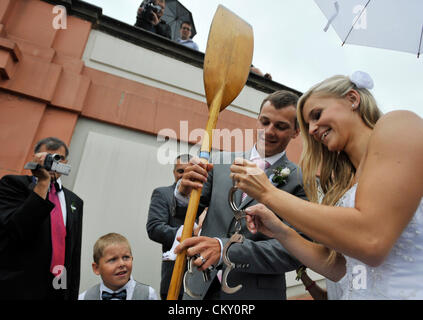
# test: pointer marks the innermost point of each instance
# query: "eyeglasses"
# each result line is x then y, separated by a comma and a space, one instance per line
186, 28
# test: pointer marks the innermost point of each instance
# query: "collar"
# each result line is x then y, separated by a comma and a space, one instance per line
58, 185
186, 40
272, 159
129, 285
59, 182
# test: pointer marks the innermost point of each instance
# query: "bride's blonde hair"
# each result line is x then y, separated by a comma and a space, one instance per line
336, 170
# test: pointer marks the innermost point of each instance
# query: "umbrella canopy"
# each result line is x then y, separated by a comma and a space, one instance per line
175, 13
388, 24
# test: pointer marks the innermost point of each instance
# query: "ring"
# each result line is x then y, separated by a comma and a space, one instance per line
202, 259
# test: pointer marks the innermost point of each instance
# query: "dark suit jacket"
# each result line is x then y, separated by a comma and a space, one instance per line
164, 220
25, 242
264, 259
162, 28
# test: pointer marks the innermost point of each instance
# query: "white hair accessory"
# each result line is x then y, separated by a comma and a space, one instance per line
362, 80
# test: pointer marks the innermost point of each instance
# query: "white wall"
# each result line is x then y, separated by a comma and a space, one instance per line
116, 56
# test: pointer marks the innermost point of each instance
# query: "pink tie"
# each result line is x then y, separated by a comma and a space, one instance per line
58, 231
263, 165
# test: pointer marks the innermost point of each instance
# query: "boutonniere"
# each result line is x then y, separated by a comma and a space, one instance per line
73, 207
281, 175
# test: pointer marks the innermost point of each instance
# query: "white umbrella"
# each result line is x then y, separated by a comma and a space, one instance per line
388, 24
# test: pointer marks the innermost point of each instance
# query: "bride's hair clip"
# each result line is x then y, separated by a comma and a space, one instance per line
362, 80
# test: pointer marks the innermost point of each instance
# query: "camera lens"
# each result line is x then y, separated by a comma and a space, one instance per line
58, 157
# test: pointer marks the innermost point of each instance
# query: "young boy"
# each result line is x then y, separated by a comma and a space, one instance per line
113, 262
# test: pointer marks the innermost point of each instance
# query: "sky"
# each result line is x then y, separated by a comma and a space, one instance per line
290, 44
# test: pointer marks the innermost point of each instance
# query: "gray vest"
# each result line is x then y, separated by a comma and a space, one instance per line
141, 292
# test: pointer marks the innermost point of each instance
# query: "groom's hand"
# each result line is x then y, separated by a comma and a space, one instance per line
207, 248
195, 174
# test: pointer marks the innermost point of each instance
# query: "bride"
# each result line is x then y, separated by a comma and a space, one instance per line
368, 229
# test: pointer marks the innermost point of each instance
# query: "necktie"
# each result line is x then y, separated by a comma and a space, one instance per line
58, 231
121, 295
263, 165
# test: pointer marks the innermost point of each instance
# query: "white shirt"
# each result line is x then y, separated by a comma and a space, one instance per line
272, 159
188, 43
129, 286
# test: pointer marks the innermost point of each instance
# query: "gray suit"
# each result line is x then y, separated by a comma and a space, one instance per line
164, 220
266, 259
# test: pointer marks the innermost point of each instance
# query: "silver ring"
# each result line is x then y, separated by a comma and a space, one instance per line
202, 259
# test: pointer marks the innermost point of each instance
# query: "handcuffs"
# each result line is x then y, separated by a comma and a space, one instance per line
190, 265
235, 238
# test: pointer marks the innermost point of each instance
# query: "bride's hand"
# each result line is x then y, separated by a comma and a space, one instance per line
249, 178
262, 219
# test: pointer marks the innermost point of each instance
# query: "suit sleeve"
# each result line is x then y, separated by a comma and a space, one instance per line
21, 212
158, 227
262, 257
267, 256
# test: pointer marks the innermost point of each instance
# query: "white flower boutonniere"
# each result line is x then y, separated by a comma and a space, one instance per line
73, 207
280, 175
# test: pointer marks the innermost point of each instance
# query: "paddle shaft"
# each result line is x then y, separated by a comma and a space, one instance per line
194, 201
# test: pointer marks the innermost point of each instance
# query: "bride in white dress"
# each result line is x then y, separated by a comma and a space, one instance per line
368, 230
396, 277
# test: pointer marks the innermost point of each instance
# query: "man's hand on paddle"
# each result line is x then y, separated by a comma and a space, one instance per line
194, 176
207, 248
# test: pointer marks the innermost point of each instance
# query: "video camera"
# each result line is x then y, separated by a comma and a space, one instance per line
51, 163
148, 7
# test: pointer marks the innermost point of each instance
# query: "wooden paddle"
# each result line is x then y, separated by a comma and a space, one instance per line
227, 64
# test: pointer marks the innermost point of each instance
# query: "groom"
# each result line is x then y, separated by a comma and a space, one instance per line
264, 260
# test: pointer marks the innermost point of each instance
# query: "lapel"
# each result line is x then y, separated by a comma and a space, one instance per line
282, 161
172, 200
70, 216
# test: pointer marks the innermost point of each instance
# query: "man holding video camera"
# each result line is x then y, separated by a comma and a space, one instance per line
149, 17
40, 229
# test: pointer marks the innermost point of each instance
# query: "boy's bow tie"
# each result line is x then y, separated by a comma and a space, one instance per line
121, 295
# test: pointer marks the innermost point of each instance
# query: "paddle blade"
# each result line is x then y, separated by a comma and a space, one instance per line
228, 58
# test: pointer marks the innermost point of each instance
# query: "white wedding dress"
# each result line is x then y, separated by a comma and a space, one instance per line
400, 276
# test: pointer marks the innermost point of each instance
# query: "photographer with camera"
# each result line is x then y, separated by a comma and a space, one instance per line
40, 229
149, 17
